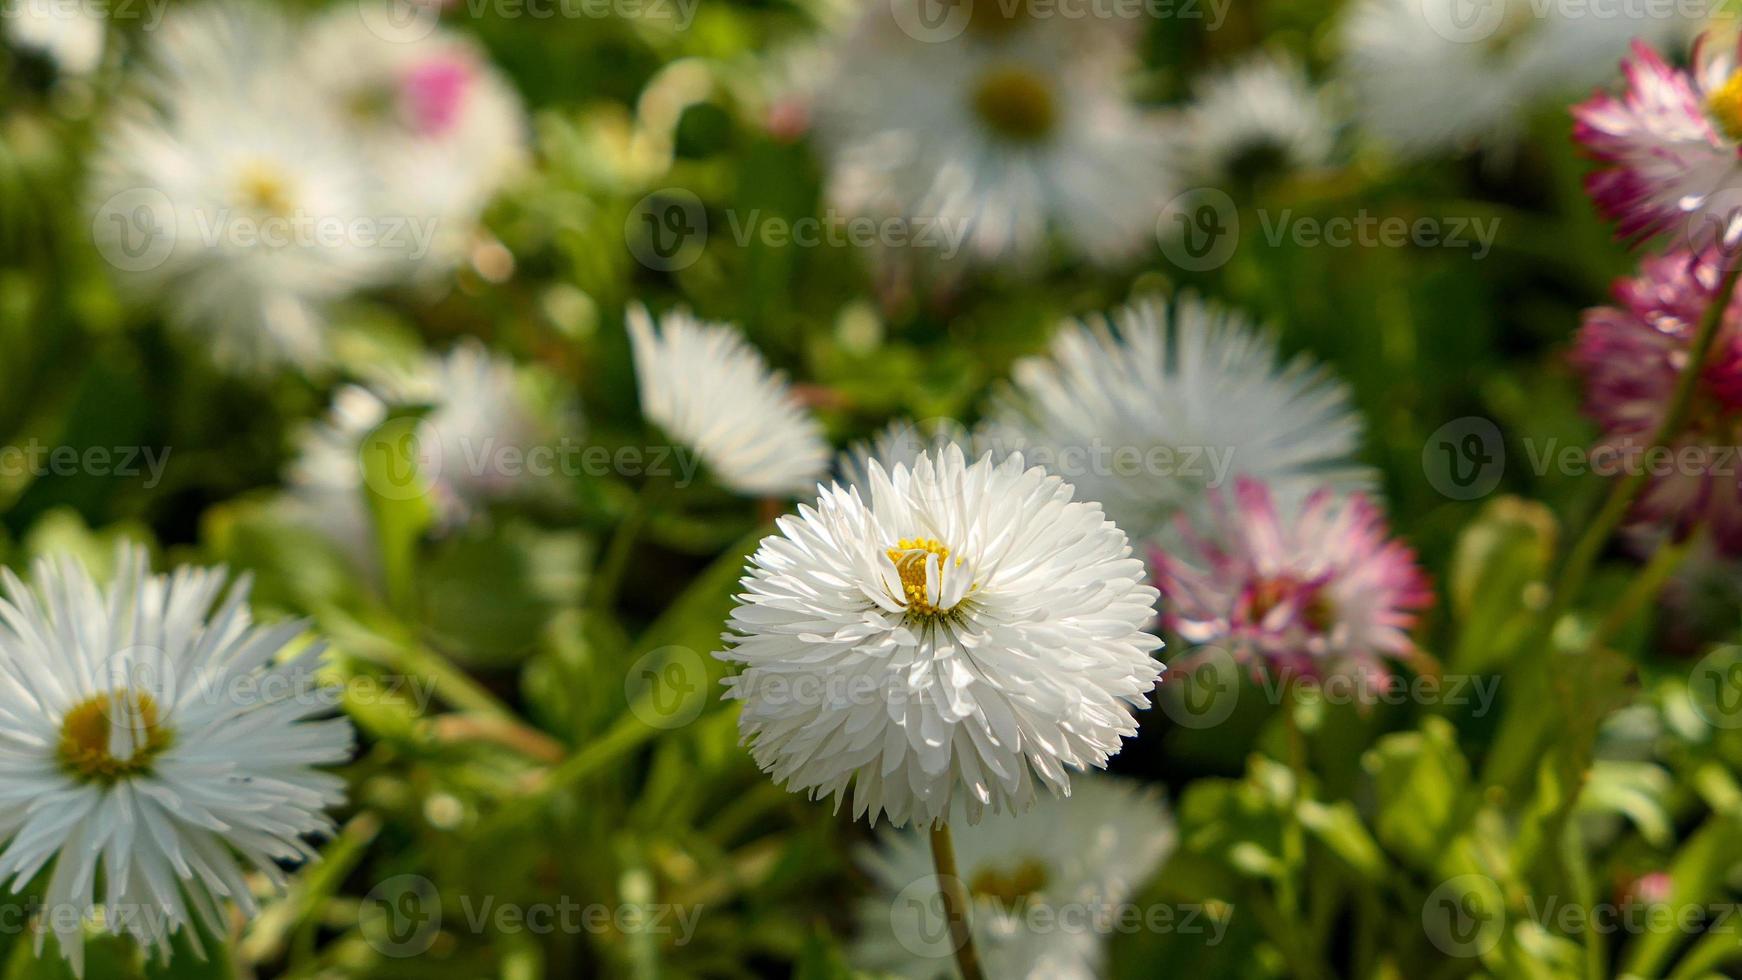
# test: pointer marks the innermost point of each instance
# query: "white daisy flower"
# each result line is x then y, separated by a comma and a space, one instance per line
224, 190
477, 407
1047, 886
709, 389
1148, 409
70, 33
237, 192
1258, 118
1433, 75
996, 139
157, 739
963, 632
431, 110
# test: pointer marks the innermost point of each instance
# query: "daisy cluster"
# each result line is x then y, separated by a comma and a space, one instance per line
947, 625
262, 169
1667, 149
1016, 131
159, 751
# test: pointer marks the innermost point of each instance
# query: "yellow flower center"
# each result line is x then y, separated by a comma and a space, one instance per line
909, 556
1725, 105
266, 191
1007, 888
86, 736
1016, 103
370, 103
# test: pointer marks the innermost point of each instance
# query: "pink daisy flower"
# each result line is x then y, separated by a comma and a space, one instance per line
1672, 143
1327, 591
1632, 356
435, 92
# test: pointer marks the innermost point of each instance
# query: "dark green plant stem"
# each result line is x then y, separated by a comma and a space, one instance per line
956, 903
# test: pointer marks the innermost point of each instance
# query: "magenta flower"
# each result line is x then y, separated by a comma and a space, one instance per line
1632, 355
435, 91
1324, 591
1672, 143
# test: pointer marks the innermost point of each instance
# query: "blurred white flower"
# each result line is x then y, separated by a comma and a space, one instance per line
428, 109
962, 633
1260, 117
1436, 75
228, 193
242, 47
991, 140
259, 171
706, 387
901, 442
1148, 409
1048, 886
159, 741
477, 407
69, 33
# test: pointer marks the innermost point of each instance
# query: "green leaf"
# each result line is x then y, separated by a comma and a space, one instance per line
106, 958
1338, 826
1497, 582
1422, 791
396, 488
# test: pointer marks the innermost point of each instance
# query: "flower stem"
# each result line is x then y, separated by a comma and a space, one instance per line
1584, 552
608, 577
1643, 589
955, 895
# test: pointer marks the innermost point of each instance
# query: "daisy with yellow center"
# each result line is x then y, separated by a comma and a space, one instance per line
111, 736
140, 731
246, 171
1667, 147
266, 190
1013, 132
1016, 103
982, 662
1025, 875
920, 563
1725, 107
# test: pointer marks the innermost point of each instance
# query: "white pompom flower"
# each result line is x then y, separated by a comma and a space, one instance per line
1049, 887
963, 632
1151, 407
709, 389
156, 745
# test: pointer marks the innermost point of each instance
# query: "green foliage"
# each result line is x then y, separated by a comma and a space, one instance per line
535, 691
